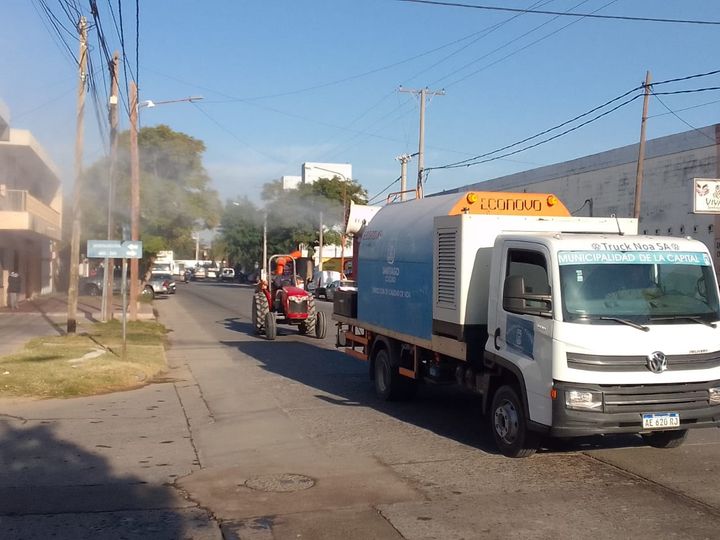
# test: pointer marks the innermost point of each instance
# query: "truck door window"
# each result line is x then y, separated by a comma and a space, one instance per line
532, 267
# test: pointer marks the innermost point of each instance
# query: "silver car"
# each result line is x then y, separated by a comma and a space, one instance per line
159, 283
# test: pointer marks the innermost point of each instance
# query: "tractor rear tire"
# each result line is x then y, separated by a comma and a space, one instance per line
259, 310
320, 325
307, 327
270, 326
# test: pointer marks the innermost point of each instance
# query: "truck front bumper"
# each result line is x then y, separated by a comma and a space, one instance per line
623, 407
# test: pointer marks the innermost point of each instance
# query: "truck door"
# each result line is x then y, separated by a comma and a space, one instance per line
523, 336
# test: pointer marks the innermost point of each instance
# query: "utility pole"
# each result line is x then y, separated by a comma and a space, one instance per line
423, 92
403, 159
79, 135
320, 247
113, 114
641, 151
134, 198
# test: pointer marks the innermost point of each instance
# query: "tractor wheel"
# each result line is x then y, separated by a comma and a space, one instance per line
307, 327
259, 311
320, 325
270, 326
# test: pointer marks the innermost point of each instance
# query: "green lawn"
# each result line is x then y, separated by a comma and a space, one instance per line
87, 363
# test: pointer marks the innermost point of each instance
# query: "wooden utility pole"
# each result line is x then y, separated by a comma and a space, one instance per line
113, 113
423, 93
404, 159
77, 188
641, 151
134, 199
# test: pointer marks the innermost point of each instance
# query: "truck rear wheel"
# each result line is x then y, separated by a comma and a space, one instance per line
509, 425
665, 439
259, 310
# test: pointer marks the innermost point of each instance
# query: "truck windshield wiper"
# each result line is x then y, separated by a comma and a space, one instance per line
625, 321
698, 320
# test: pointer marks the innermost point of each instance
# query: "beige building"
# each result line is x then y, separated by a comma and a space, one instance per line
30, 212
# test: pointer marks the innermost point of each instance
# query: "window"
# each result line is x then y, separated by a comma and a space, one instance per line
532, 267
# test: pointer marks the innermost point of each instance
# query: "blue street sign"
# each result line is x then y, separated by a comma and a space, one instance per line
114, 249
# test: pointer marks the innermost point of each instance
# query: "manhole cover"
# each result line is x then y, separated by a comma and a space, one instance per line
280, 483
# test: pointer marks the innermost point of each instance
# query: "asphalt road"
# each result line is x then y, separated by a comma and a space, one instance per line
293, 443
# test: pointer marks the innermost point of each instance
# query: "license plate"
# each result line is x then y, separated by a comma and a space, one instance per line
661, 420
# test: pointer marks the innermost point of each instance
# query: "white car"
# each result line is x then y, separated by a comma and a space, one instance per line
227, 274
339, 285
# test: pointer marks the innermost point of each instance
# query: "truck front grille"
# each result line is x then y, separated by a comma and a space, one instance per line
656, 397
677, 362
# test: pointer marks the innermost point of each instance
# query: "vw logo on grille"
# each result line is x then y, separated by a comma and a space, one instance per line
657, 362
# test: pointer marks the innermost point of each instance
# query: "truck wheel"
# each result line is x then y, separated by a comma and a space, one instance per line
509, 425
270, 326
665, 439
259, 310
388, 383
320, 325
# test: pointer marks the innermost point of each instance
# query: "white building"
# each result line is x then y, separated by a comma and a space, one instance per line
604, 184
30, 211
312, 171
290, 182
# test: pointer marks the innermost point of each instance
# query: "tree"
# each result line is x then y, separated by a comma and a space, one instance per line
175, 193
293, 218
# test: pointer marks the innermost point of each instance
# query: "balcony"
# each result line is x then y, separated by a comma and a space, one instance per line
20, 211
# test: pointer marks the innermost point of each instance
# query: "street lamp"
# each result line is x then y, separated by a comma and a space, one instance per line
342, 235
135, 184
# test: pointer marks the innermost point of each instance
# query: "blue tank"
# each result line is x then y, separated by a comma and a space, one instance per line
395, 266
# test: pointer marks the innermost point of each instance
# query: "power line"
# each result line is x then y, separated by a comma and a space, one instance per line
545, 12
679, 118
697, 75
513, 53
548, 130
692, 91
558, 135
687, 108
391, 184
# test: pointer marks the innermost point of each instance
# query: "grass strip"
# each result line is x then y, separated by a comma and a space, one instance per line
85, 364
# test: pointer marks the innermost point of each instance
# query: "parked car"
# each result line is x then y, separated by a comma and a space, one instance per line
321, 280
339, 285
159, 284
227, 274
200, 273
93, 285
211, 272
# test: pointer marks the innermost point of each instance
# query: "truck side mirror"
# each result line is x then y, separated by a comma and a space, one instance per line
516, 300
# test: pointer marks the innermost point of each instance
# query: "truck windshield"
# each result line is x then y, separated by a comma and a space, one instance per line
638, 286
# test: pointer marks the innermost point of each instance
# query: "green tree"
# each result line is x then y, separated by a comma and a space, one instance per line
293, 218
176, 196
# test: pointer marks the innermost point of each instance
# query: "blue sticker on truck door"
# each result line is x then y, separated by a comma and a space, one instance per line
520, 335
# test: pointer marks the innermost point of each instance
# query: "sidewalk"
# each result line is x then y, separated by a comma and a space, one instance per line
47, 316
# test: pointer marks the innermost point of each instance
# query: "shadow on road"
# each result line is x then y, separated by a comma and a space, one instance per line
50, 488
445, 410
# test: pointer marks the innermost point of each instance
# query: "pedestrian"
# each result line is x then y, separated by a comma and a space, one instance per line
14, 287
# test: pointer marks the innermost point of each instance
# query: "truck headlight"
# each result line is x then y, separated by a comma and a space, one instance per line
715, 396
583, 399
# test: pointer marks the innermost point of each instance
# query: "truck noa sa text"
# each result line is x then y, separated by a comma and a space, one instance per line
567, 326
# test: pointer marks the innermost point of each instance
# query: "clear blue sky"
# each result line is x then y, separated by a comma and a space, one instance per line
269, 73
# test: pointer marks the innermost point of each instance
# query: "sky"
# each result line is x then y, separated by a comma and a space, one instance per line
290, 81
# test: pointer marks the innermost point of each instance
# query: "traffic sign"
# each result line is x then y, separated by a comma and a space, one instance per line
114, 249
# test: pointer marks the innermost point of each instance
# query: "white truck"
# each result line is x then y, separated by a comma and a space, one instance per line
567, 326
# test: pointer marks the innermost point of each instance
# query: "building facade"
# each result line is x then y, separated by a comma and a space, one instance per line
604, 184
30, 212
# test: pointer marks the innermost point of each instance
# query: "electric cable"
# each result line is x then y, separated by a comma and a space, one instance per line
545, 12
688, 124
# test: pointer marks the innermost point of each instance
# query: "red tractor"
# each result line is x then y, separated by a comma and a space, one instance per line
284, 301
